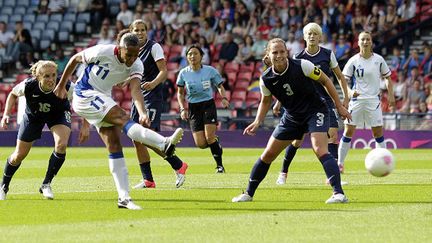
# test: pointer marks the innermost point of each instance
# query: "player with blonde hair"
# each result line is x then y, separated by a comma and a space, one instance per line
291, 82
324, 59
42, 107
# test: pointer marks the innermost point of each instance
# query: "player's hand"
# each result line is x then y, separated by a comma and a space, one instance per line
5, 122
144, 120
84, 134
345, 102
276, 108
60, 92
184, 115
251, 129
148, 86
343, 113
392, 104
225, 103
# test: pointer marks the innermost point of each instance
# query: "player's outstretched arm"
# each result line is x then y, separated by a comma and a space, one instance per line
343, 84
84, 133
10, 102
182, 103
263, 108
222, 93
138, 98
60, 89
331, 90
390, 95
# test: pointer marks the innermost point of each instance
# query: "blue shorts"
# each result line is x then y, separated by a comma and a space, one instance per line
288, 129
31, 129
334, 117
154, 111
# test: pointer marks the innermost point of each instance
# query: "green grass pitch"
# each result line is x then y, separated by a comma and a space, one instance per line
396, 208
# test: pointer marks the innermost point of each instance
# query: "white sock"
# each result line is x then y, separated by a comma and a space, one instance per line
119, 172
344, 146
381, 144
144, 135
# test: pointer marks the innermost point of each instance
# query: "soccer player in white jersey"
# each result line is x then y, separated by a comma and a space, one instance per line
106, 66
366, 70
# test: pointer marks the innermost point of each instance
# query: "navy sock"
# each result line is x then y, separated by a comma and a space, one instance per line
9, 171
175, 162
258, 173
146, 171
290, 152
333, 150
216, 151
55, 163
332, 171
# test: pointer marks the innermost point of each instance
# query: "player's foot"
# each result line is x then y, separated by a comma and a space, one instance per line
46, 191
128, 204
3, 192
244, 197
337, 198
172, 141
341, 168
281, 180
220, 169
145, 184
180, 175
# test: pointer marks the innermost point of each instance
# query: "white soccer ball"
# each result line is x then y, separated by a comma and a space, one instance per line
379, 162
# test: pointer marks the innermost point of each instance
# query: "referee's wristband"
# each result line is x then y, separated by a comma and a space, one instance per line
181, 110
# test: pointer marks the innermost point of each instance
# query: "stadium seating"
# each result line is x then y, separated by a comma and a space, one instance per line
231, 67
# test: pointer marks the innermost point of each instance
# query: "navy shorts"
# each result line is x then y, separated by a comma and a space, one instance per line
154, 112
31, 129
288, 129
334, 117
202, 113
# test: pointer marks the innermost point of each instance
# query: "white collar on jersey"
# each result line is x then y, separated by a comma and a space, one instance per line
316, 53
280, 74
40, 88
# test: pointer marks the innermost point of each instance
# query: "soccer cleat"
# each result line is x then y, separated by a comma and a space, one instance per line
145, 184
341, 168
3, 192
337, 198
128, 204
180, 175
244, 197
220, 169
281, 180
172, 141
46, 191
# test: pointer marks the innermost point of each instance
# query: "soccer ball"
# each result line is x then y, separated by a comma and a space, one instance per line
379, 162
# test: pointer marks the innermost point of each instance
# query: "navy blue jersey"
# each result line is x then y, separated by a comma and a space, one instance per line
151, 71
322, 60
294, 90
43, 106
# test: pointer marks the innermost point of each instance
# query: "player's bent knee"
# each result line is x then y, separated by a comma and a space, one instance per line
268, 157
202, 145
297, 143
114, 147
16, 158
61, 147
319, 152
